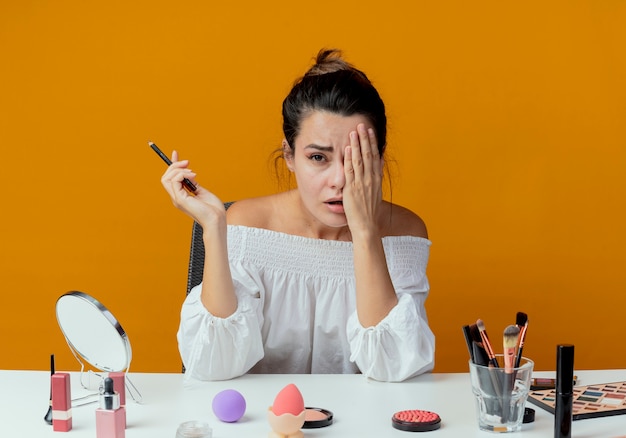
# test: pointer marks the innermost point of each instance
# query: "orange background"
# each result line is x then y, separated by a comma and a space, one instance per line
507, 134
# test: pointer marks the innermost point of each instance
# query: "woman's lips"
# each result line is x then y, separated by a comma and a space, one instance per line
335, 206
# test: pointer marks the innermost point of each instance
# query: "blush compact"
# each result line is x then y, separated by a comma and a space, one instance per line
315, 418
416, 421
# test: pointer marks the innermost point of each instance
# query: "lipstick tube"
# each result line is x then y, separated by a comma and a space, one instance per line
564, 391
110, 418
61, 402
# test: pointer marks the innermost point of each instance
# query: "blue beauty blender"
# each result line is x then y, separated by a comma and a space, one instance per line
229, 405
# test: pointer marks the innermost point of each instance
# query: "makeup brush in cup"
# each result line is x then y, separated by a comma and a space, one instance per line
480, 357
511, 333
480, 354
486, 344
521, 321
468, 340
509, 343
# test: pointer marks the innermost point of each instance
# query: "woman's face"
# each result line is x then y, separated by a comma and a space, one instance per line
317, 163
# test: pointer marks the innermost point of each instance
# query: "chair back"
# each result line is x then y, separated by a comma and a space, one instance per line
195, 269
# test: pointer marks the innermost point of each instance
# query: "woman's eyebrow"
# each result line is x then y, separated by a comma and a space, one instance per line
319, 148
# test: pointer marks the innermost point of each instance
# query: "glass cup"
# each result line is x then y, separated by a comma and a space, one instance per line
194, 429
500, 396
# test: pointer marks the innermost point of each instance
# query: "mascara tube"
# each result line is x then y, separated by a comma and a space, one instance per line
564, 391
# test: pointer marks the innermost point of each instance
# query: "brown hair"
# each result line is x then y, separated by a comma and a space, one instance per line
333, 85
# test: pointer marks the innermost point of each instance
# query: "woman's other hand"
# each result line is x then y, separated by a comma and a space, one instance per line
362, 194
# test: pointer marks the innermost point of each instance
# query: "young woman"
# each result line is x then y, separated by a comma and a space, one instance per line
325, 278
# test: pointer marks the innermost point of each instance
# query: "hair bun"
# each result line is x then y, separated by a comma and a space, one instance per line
328, 61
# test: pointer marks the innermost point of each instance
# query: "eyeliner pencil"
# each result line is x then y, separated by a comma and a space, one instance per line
186, 182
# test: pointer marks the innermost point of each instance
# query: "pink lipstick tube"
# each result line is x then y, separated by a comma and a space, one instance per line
61, 402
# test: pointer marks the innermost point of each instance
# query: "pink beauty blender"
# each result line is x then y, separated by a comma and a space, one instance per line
288, 401
286, 416
229, 405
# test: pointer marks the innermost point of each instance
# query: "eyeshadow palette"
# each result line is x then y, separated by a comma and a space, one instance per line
591, 401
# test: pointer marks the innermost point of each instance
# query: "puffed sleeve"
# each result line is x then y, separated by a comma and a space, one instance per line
402, 345
215, 348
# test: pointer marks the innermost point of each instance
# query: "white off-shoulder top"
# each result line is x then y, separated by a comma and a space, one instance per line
297, 312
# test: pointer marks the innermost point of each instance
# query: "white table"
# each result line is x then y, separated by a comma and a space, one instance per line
362, 408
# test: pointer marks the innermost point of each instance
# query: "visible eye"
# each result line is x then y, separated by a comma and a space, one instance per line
316, 157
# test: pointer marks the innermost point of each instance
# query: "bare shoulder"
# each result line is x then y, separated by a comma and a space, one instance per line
401, 221
252, 212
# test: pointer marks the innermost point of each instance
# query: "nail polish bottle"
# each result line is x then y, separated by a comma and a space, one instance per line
110, 418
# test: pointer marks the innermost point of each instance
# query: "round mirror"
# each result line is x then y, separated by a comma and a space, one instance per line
93, 332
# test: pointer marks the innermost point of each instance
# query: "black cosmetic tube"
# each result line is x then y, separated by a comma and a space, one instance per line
564, 391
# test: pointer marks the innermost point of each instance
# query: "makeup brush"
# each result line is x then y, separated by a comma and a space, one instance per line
480, 355
48, 416
475, 334
509, 343
521, 321
486, 344
468, 341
